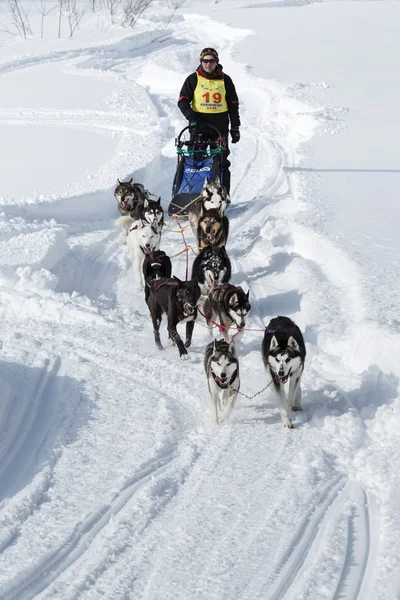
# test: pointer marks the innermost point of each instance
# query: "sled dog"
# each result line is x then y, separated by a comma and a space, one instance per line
222, 369
212, 229
155, 266
151, 212
178, 300
128, 195
230, 305
213, 196
211, 267
283, 351
141, 240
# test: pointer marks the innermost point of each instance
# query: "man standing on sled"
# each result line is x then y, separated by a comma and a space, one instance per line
209, 96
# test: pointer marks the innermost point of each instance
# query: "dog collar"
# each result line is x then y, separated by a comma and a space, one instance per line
190, 312
184, 314
222, 384
156, 259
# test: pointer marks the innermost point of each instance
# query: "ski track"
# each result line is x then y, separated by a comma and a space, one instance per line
83, 536
306, 551
35, 424
142, 40
357, 551
81, 119
302, 542
167, 474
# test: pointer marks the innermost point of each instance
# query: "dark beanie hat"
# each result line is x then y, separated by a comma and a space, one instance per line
207, 51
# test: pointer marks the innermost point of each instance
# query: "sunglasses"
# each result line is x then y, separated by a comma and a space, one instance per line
209, 60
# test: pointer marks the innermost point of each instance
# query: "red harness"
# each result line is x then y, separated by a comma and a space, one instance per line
181, 309
159, 284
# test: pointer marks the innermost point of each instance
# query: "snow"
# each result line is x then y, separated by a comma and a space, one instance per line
113, 482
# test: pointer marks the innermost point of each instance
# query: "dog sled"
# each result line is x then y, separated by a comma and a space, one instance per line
198, 158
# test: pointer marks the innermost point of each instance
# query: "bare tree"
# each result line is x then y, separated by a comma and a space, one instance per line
175, 5
44, 11
60, 9
111, 7
74, 14
18, 18
5, 29
5, 25
133, 9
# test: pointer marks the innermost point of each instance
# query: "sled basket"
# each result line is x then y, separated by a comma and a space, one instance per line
198, 158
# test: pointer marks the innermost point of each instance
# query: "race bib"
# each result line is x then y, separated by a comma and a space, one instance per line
209, 96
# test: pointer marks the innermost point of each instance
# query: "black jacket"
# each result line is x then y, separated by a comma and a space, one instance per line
220, 120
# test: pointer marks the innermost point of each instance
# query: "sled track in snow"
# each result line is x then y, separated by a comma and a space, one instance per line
29, 431
78, 119
299, 547
53, 56
312, 534
358, 548
37, 423
86, 532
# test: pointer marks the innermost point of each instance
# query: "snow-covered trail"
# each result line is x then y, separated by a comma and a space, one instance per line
113, 483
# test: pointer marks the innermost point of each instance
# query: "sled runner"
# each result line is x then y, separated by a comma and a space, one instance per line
198, 158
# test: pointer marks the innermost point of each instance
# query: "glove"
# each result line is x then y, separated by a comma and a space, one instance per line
192, 126
235, 134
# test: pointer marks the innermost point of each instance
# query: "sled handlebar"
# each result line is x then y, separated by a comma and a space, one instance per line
203, 127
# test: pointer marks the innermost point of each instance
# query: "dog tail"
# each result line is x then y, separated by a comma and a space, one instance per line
125, 220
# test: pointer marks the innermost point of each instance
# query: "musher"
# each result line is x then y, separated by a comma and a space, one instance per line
209, 96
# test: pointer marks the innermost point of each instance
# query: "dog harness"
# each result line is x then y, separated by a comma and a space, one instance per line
156, 260
182, 313
218, 291
222, 384
278, 380
159, 284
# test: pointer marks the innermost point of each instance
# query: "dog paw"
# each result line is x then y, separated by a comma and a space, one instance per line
296, 408
238, 336
185, 356
187, 343
286, 421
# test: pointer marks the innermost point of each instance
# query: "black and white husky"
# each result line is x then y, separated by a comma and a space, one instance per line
230, 305
211, 267
129, 195
142, 239
151, 212
222, 369
284, 352
213, 196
